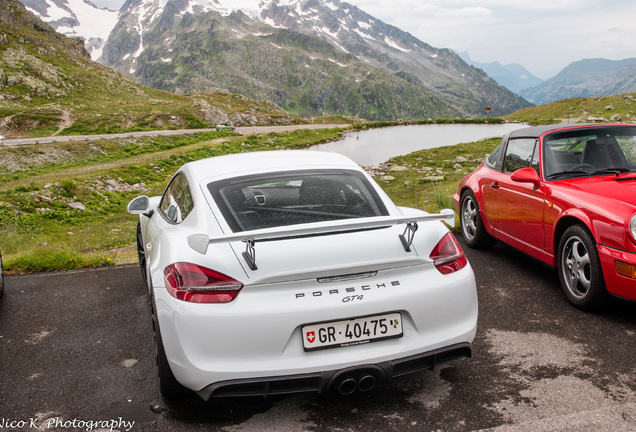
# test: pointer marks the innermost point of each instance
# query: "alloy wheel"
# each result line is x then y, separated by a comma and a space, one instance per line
576, 267
469, 218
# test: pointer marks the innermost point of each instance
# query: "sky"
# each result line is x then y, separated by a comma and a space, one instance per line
544, 36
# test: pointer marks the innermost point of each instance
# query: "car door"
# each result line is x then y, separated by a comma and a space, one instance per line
514, 209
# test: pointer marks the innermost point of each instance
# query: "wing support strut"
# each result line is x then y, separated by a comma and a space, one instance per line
250, 254
408, 235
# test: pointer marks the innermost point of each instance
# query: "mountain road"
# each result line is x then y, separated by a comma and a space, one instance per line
243, 130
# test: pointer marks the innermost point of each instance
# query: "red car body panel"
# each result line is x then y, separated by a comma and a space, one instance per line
531, 217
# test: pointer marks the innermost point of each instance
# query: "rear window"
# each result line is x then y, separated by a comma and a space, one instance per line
291, 198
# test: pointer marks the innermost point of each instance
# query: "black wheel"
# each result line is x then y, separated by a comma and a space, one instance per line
580, 270
472, 226
1, 277
141, 253
169, 387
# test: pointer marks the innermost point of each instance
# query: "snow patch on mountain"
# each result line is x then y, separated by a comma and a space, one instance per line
364, 35
78, 18
226, 7
272, 23
332, 6
53, 12
393, 44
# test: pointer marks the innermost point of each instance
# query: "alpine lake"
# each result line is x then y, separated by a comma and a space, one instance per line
371, 147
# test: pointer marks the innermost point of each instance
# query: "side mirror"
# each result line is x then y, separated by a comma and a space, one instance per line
527, 175
139, 205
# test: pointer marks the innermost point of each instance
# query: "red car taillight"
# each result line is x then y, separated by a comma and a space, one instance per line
193, 283
448, 256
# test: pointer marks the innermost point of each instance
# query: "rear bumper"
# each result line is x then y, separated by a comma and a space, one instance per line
210, 347
322, 381
616, 284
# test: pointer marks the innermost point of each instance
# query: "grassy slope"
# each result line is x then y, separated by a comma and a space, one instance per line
38, 230
49, 85
579, 110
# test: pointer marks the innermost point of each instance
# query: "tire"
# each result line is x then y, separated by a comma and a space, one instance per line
1, 277
580, 269
472, 227
141, 254
169, 387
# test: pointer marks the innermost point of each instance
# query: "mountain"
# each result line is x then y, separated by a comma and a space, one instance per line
77, 18
50, 85
311, 57
513, 76
586, 78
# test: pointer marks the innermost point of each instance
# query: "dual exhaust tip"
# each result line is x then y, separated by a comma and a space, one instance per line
347, 383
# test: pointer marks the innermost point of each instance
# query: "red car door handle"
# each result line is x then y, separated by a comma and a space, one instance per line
494, 185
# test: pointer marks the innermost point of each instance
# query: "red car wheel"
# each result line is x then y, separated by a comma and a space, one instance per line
472, 227
580, 269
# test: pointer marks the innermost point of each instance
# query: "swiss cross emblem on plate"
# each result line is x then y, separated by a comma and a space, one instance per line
311, 337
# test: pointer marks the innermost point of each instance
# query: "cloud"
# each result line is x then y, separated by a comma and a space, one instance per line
542, 35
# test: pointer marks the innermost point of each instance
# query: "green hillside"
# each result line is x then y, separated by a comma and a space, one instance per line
49, 85
619, 108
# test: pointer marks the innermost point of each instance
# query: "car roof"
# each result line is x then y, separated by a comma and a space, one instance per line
265, 161
537, 131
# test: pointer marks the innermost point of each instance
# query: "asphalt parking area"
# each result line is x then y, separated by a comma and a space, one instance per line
74, 345
76, 352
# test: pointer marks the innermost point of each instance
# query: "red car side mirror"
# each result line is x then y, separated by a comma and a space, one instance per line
527, 175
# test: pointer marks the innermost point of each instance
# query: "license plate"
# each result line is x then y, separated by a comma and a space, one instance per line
352, 332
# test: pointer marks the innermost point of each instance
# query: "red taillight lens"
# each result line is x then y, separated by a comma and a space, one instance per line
448, 256
193, 283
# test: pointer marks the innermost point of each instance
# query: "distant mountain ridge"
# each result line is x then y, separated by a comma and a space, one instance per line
311, 57
586, 78
513, 76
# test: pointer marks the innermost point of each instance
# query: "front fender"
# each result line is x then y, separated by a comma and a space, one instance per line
606, 228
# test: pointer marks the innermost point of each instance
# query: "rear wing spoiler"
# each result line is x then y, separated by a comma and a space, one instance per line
200, 242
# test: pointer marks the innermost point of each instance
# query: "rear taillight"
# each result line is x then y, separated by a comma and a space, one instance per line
448, 256
193, 283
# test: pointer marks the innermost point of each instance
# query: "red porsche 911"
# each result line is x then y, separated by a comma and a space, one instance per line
565, 195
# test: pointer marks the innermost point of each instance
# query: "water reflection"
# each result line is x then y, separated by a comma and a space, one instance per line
374, 146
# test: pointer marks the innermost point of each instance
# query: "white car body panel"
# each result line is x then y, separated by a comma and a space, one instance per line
430, 324
258, 335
